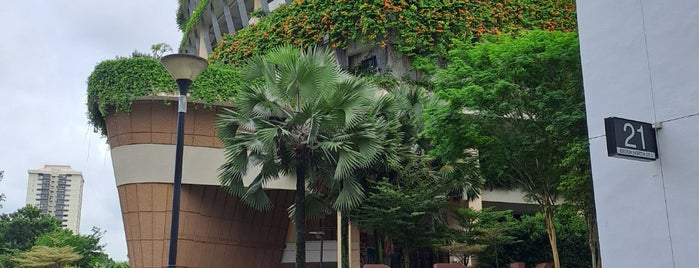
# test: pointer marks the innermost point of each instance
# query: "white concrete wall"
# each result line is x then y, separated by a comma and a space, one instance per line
147, 163
640, 61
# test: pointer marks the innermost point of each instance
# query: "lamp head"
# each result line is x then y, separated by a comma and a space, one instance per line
184, 66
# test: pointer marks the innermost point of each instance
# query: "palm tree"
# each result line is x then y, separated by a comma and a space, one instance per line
300, 114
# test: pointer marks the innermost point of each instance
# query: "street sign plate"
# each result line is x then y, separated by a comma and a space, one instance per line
630, 139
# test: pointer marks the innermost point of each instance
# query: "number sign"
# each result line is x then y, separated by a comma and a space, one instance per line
630, 139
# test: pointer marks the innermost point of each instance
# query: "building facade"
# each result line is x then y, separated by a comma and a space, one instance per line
216, 229
57, 190
640, 62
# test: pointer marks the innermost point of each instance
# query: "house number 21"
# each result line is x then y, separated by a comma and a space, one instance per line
629, 127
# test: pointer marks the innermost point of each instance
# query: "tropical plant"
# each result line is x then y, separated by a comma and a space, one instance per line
300, 115
47, 257
483, 230
409, 214
519, 102
532, 241
412, 27
114, 84
19, 230
87, 246
159, 49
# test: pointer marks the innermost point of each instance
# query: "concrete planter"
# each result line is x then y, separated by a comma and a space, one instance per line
216, 230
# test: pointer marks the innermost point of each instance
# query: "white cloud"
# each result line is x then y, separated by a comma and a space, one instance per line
49, 50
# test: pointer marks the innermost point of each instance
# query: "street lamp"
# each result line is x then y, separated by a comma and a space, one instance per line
320, 235
184, 69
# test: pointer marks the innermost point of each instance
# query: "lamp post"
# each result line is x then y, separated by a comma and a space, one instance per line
320, 235
184, 69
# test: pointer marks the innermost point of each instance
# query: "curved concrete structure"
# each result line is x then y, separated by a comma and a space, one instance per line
216, 230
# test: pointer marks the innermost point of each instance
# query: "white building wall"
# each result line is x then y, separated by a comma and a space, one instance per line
75, 203
72, 200
640, 61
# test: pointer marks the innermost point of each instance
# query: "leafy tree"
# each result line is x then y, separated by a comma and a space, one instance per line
87, 246
403, 152
530, 232
159, 49
43, 256
577, 188
481, 231
109, 263
300, 114
519, 102
19, 230
407, 211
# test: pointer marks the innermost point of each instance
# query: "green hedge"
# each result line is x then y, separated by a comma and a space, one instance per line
116, 83
533, 246
414, 27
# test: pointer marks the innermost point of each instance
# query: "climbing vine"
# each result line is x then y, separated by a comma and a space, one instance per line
115, 84
414, 27
193, 20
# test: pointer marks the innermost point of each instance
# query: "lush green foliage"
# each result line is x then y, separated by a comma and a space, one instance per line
532, 246
299, 114
519, 102
193, 19
45, 257
114, 84
413, 27
482, 232
300, 107
27, 238
577, 189
409, 214
181, 15
19, 230
86, 246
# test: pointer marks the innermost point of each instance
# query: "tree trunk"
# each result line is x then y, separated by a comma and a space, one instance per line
379, 248
300, 203
593, 238
551, 230
406, 258
344, 233
497, 262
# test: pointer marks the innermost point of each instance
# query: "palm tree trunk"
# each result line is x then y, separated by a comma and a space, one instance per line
344, 233
300, 219
551, 230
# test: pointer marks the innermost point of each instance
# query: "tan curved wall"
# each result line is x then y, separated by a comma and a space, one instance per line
215, 229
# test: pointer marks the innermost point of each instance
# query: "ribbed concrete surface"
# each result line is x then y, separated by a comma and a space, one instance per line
216, 230
155, 122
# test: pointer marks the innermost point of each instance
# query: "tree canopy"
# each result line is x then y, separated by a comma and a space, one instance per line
30, 239
519, 102
301, 115
87, 246
19, 230
47, 257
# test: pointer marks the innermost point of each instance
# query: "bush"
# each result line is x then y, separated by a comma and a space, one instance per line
117, 83
533, 246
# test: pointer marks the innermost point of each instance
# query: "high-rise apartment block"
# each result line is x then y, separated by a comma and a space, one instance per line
58, 191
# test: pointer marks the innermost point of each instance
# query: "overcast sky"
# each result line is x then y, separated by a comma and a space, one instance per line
48, 50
